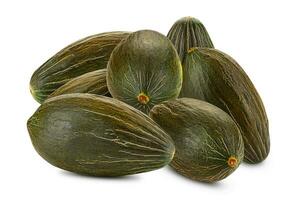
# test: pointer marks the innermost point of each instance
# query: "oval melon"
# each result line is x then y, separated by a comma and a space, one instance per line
86, 55
91, 82
215, 77
189, 32
208, 143
99, 136
144, 70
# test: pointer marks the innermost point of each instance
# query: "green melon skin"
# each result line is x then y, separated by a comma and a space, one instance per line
189, 32
98, 136
86, 55
215, 77
91, 82
209, 146
147, 64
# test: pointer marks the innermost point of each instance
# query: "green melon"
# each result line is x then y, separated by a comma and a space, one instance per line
86, 55
92, 83
208, 143
144, 70
215, 77
189, 32
98, 136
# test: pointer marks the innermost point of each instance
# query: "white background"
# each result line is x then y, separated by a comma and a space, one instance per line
261, 35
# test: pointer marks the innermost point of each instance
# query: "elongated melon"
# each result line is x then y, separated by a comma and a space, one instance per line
215, 77
189, 32
86, 55
92, 83
209, 146
98, 136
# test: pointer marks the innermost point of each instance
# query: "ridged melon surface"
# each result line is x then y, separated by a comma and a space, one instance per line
189, 32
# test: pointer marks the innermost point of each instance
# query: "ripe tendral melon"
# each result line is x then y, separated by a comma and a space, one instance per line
209, 146
98, 136
144, 70
86, 55
213, 76
92, 83
189, 32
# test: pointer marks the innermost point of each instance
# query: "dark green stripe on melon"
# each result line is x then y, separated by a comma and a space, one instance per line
86, 55
99, 136
144, 70
189, 32
208, 143
92, 83
215, 77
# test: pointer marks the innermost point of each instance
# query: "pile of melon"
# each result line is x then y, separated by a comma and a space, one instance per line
122, 103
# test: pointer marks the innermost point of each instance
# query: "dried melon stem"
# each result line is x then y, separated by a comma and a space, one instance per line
232, 161
192, 49
143, 98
